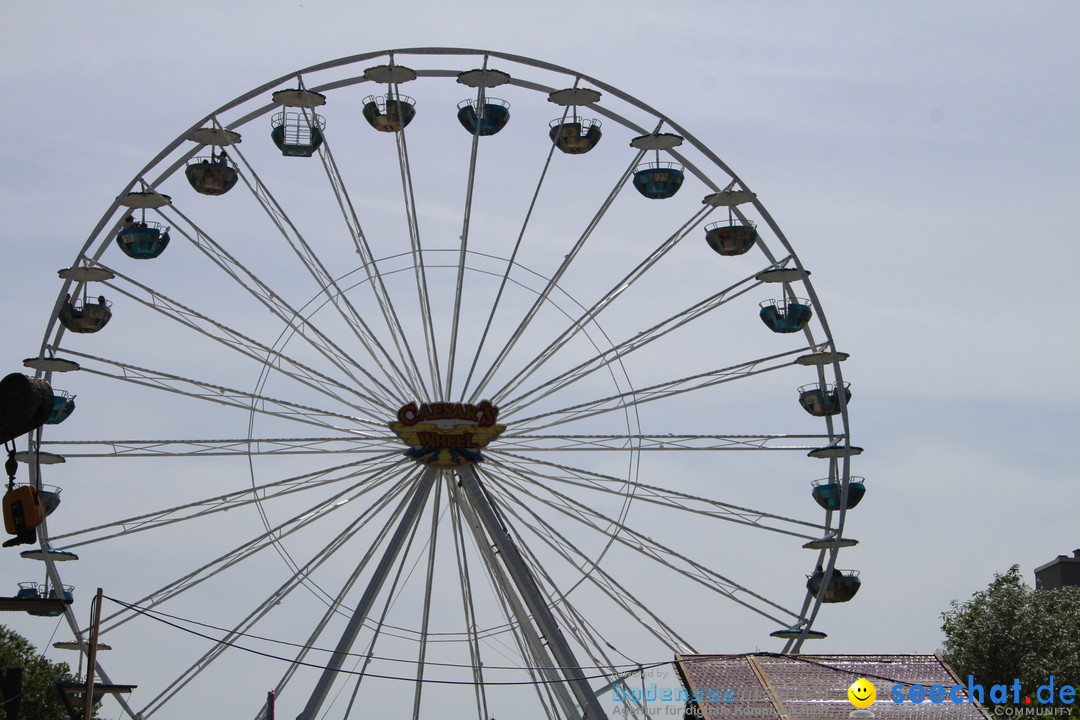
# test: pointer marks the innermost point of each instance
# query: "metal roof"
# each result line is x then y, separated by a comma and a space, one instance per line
765, 686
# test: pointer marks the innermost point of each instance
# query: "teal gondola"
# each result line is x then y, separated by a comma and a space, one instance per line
491, 118
659, 180
828, 493
786, 316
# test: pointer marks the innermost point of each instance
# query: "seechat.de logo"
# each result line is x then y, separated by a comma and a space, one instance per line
997, 695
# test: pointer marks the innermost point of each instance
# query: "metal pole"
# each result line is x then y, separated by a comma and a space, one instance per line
530, 593
408, 520
91, 661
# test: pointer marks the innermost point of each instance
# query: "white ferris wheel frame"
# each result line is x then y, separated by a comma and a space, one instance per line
396, 372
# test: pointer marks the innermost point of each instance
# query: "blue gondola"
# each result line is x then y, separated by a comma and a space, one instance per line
143, 240
63, 406
659, 180
491, 119
49, 495
827, 494
38, 592
575, 135
389, 113
842, 585
786, 316
731, 237
822, 400
29, 590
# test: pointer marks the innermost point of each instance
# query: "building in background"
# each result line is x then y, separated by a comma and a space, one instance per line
1059, 572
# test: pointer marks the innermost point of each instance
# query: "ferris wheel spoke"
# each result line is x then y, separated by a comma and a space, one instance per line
659, 391
325, 282
511, 443
553, 281
663, 555
335, 604
532, 648
290, 317
425, 621
410, 508
371, 268
624, 349
463, 249
265, 540
296, 580
229, 397
603, 303
589, 568
373, 446
580, 479
420, 271
510, 264
467, 604
265, 492
233, 339
595, 574
571, 620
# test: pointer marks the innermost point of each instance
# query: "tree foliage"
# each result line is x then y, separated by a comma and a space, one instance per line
1009, 631
39, 700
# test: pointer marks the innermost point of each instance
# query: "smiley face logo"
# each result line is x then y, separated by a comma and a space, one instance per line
862, 693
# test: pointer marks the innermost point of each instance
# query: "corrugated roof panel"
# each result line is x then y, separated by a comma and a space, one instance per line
814, 687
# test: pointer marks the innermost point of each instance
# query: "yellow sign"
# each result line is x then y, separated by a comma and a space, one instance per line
447, 434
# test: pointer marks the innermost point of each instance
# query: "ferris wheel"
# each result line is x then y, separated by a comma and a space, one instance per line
439, 380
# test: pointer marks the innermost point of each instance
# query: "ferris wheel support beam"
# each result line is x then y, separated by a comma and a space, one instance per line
468, 606
531, 594
539, 663
363, 608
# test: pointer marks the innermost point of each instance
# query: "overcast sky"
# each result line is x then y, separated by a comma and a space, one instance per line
921, 157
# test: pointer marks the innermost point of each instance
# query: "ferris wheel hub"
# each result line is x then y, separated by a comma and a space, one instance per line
447, 434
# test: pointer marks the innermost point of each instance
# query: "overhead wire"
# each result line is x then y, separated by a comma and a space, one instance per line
168, 619
629, 671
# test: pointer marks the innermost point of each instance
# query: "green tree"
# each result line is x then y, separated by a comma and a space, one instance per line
1009, 631
39, 700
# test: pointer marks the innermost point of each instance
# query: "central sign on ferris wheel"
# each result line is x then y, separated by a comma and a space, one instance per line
447, 434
